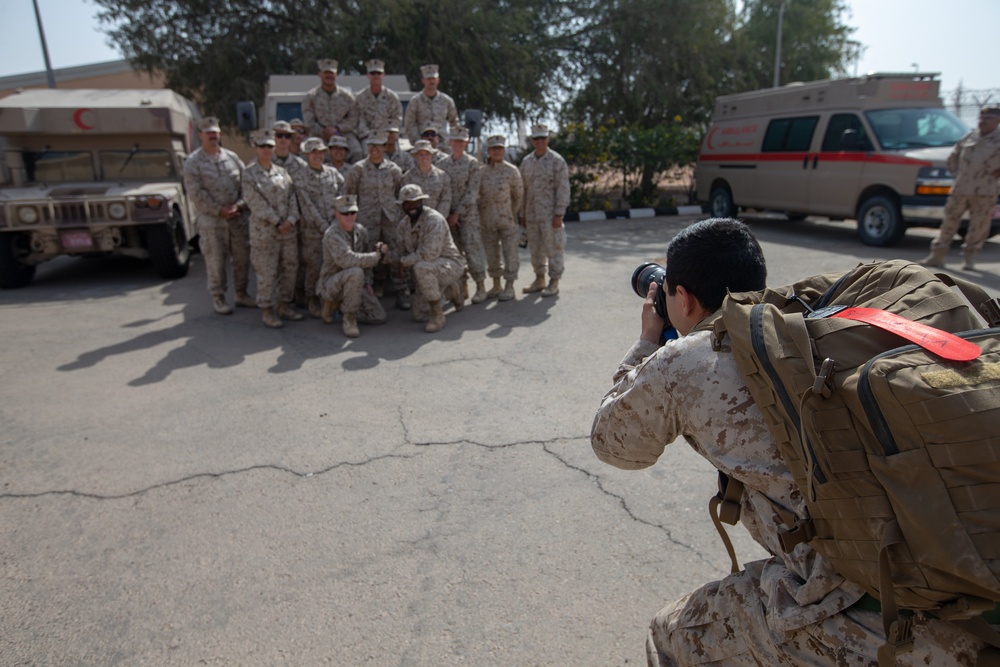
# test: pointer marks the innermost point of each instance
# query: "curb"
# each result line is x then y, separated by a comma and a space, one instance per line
583, 216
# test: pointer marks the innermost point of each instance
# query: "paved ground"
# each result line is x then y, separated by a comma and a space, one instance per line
187, 489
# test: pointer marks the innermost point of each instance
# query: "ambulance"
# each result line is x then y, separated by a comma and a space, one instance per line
870, 148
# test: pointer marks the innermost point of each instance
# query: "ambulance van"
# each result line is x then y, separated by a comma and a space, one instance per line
871, 148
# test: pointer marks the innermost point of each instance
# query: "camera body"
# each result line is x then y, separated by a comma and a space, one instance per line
651, 272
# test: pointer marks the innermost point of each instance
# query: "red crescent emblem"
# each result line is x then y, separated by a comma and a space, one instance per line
708, 140
78, 119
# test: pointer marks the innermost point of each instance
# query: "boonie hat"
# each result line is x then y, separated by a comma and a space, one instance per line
411, 192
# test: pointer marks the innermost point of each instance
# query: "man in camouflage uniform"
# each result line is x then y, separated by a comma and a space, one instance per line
433, 182
212, 177
284, 157
427, 250
268, 191
546, 196
975, 162
338, 155
375, 181
299, 134
789, 609
430, 135
316, 189
378, 107
345, 282
329, 109
430, 107
501, 195
393, 151
463, 218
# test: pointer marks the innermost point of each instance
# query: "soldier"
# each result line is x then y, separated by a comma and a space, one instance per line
975, 162
430, 135
463, 218
378, 107
212, 176
427, 250
268, 191
316, 188
299, 134
345, 282
338, 154
433, 182
501, 195
375, 181
283, 155
546, 196
430, 107
329, 109
394, 152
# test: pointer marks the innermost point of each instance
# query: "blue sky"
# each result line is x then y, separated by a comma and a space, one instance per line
953, 38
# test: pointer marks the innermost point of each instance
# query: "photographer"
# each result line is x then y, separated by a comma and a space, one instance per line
789, 609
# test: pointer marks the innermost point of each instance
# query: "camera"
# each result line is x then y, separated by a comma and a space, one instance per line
647, 273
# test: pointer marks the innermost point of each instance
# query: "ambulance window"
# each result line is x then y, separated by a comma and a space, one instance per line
789, 134
839, 123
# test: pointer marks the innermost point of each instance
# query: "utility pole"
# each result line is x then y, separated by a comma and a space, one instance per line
49, 74
777, 48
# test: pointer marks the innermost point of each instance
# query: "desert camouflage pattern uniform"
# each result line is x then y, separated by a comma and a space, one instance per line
501, 196
464, 175
338, 109
427, 250
423, 112
343, 169
315, 191
377, 187
378, 112
790, 609
213, 182
271, 197
346, 275
973, 160
291, 163
546, 194
402, 159
436, 184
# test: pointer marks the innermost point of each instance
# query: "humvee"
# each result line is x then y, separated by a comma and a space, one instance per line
88, 172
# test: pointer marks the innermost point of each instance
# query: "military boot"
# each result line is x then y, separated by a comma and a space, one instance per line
508, 291
536, 286
220, 305
350, 325
936, 258
453, 293
495, 290
244, 300
436, 321
271, 319
314, 307
970, 260
480, 294
326, 312
552, 288
463, 283
287, 312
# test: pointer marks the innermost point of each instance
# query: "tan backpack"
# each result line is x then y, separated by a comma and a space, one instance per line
895, 449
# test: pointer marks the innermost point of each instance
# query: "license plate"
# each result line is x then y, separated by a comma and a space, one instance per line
76, 239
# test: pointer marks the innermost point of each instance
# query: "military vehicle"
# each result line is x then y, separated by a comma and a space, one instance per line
89, 172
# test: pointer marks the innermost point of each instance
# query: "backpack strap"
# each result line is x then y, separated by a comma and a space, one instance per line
988, 307
725, 506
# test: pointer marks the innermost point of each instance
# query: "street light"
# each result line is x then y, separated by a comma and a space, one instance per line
777, 49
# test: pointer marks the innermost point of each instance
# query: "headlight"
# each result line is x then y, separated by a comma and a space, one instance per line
117, 210
151, 201
28, 215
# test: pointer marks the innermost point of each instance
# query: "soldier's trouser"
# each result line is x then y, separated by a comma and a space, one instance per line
723, 623
310, 259
470, 242
432, 277
980, 215
502, 242
219, 243
348, 287
547, 247
380, 228
275, 260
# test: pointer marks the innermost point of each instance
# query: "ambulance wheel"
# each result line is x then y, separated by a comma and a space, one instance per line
720, 202
880, 222
13, 273
168, 248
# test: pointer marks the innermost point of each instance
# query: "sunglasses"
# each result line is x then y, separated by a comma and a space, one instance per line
429, 134
282, 135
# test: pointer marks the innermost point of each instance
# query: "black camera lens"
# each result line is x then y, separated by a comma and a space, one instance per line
647, 273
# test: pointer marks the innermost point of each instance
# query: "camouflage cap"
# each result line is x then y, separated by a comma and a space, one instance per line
374, 65
338, 141
429, 72
429, 128
392, 128
263, 138
209, 124
327, 65
458, 134
422, 145
377, 138
411, 192
346, 204
539, 131
281, 126
313, 144
297, 123
496, 140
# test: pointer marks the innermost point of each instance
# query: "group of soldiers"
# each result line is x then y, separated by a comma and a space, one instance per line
334, 227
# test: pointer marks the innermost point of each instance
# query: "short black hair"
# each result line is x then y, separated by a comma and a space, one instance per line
712, 257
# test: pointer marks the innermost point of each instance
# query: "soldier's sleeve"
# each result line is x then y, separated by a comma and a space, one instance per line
452, 112
310, 213
411, 125
395, 110
562, 187
292, 203
241, 204
340, 182
470, 200
956, 153
352, 180
517, 191
433, 243
445, 193
522, 211
351, 118
204, 201
309, 114
259, 206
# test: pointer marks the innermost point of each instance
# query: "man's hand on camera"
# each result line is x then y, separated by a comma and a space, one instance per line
652, 324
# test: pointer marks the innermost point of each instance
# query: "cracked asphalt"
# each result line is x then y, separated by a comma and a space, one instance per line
180, 488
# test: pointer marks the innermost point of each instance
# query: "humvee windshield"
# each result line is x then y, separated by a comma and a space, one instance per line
915, 128
136, 165
58, 166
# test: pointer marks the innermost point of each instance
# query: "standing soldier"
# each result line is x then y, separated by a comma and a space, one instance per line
434, 182
212, 176
316, 188
268, 191
501, 195
430, 107
329, 109
427, 250
394, 152
379, 108
463, 218
430, 135
283, 156
338, 154
546, 196
345, 282
375, 181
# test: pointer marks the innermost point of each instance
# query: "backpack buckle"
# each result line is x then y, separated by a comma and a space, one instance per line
803, 531
824, 378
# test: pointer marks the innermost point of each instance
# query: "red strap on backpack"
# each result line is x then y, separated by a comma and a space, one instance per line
943, 344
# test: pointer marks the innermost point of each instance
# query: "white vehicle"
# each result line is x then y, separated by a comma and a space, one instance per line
95, 172
871, 148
